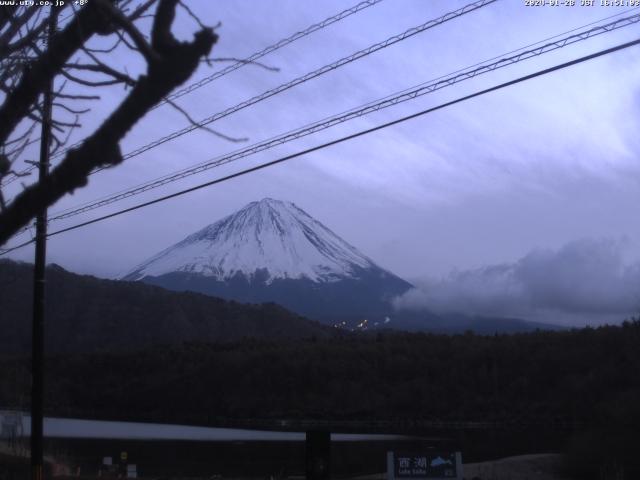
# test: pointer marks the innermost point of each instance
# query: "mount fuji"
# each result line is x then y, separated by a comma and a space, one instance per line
273, 251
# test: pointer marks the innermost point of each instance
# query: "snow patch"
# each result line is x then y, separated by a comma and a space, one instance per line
270, 235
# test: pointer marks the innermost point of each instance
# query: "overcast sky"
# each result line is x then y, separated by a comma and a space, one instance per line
543, 166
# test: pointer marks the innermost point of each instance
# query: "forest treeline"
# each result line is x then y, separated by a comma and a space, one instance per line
589, 375
89, 314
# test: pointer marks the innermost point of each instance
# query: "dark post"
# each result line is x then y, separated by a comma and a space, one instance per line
318, 455
37, 355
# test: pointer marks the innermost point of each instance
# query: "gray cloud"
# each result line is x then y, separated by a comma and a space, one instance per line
584, 281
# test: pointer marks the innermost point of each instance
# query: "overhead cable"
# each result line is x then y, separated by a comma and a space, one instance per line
404, 96
361, 133
241, 63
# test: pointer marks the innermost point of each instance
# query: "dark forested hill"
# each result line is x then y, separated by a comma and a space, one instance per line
578, 375
87, 314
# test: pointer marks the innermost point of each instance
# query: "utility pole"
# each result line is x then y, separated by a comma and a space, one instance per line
37, 352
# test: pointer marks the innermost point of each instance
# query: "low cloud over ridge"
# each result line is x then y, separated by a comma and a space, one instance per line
584, 282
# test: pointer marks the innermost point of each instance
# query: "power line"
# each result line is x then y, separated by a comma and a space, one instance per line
405, 95
241, 63
327, 68
4, 251
340, 15
272, 48
524, 78
311, 75
305, 78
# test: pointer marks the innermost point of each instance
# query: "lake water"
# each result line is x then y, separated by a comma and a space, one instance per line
98, 429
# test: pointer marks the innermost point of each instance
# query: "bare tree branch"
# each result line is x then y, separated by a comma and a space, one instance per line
128, 26
24, 41
69, 109
33, 81
203, 127
240, 60
140, 11
89, 83
21, 137
110, 49
176, 61
76, 97
16, 25
60, 144
191, 14
102, 68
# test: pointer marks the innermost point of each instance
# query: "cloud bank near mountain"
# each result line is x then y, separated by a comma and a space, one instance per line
586, 281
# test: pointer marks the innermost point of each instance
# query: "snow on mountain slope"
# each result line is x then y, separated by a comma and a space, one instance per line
270, 235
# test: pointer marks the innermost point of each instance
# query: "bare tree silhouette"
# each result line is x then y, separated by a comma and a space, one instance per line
28, 63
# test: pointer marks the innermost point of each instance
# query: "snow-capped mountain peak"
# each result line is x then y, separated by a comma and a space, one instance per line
271, 237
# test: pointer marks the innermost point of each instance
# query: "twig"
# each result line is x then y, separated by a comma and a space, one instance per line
192, 15
204, 127
89, 83
102, 68
127, 25
239, 60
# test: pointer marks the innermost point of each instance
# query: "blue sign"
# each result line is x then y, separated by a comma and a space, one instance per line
424, 465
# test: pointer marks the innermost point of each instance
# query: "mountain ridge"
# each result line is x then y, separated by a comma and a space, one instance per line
272, 235
88, 314
272, 250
